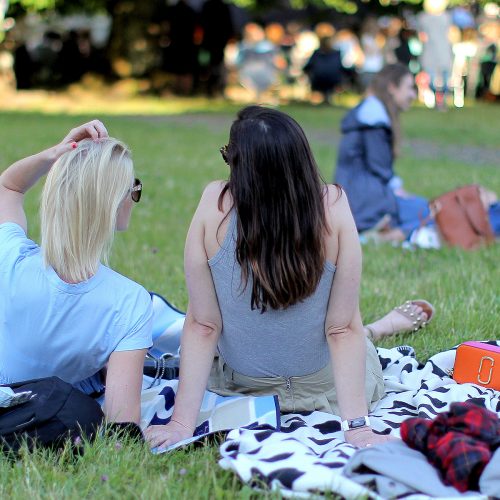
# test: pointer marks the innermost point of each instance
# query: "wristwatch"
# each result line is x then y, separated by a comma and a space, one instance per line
355, 423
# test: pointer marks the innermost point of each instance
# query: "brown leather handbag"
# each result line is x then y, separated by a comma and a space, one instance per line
461, 218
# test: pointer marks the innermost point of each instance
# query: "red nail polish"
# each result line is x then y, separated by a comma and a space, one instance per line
74, 145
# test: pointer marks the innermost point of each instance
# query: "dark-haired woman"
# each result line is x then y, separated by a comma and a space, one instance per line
273, 267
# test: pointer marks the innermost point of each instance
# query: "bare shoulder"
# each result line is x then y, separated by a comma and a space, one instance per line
212, 191
336, 204
209, 201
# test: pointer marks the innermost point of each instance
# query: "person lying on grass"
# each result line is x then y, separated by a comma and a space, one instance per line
273, 269
62, 312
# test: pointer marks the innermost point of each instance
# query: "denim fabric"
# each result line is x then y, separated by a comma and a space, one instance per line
412, 213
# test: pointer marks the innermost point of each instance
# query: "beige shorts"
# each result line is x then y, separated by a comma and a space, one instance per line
305, 393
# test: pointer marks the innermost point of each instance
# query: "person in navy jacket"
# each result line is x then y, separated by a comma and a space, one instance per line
369, 145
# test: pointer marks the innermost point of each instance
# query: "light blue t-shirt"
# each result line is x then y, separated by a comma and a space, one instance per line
50, 327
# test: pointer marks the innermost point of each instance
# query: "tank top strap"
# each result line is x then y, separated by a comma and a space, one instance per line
228, 244
231, 233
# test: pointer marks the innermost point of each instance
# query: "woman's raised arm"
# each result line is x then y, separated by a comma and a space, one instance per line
23, 174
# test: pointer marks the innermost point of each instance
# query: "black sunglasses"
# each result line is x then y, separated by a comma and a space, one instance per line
136, 191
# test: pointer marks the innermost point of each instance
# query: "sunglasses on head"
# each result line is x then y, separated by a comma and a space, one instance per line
223, 152
136, 191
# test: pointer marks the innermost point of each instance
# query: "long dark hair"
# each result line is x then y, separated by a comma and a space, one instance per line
277, 193
390, 74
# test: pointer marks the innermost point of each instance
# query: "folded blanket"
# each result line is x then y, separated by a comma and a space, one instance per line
217, 413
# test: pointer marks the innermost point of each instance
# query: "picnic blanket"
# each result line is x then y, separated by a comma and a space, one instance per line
308, 454
304, 454
217, 413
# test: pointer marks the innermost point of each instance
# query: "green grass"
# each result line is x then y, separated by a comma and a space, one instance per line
175, 150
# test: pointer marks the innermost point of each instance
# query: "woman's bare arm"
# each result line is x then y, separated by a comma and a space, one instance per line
200, 335
344, 328
122, 401
23, 174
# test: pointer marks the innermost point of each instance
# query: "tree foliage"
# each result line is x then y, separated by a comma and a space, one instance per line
346, 6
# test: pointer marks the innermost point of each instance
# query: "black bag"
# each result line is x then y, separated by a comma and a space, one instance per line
56, 411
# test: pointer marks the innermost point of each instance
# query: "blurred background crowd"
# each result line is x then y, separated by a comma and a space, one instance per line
214, 48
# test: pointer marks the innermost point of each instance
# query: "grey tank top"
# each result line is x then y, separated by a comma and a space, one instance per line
278, 343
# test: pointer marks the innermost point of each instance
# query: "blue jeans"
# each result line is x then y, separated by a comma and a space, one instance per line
494, 216
412, 212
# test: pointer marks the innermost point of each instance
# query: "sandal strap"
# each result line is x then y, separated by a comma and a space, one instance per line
417, 319
371, 333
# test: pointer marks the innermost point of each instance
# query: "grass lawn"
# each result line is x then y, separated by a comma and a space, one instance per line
176, 151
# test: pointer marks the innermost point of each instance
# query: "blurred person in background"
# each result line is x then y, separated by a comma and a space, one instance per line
179, 52
371, 137
370, 143
464, 53
372, 44
488, 85
217, 29
258, 61
275, 33
352, 56
306, 42
324, 67
434, 26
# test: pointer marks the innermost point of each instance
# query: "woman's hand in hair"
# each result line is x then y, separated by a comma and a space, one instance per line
23, 174
90, 130
361, 438
94, 129
163, 436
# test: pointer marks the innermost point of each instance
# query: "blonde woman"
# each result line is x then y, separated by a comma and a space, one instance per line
62, 311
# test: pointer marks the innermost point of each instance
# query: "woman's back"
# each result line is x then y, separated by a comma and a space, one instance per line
274, 230
277, 342
50, 327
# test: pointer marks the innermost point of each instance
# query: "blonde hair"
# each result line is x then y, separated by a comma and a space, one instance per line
80, 202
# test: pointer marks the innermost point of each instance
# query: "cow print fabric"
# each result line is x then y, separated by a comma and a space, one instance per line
308, 454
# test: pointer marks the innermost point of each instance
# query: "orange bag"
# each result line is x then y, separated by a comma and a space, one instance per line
462, 219
477, 363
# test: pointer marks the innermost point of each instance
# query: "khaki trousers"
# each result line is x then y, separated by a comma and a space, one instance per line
296, 394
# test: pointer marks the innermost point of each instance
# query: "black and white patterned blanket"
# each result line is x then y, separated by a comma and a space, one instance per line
308, 454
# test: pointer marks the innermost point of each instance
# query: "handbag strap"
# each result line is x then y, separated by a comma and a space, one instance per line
160, 366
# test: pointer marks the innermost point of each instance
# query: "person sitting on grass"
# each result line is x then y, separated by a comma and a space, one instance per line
273, 269
370, 142
371, 137
62, 312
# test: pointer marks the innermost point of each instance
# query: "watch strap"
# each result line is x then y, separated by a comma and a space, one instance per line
355, 423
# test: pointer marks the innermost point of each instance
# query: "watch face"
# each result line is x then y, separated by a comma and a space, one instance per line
357, 422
